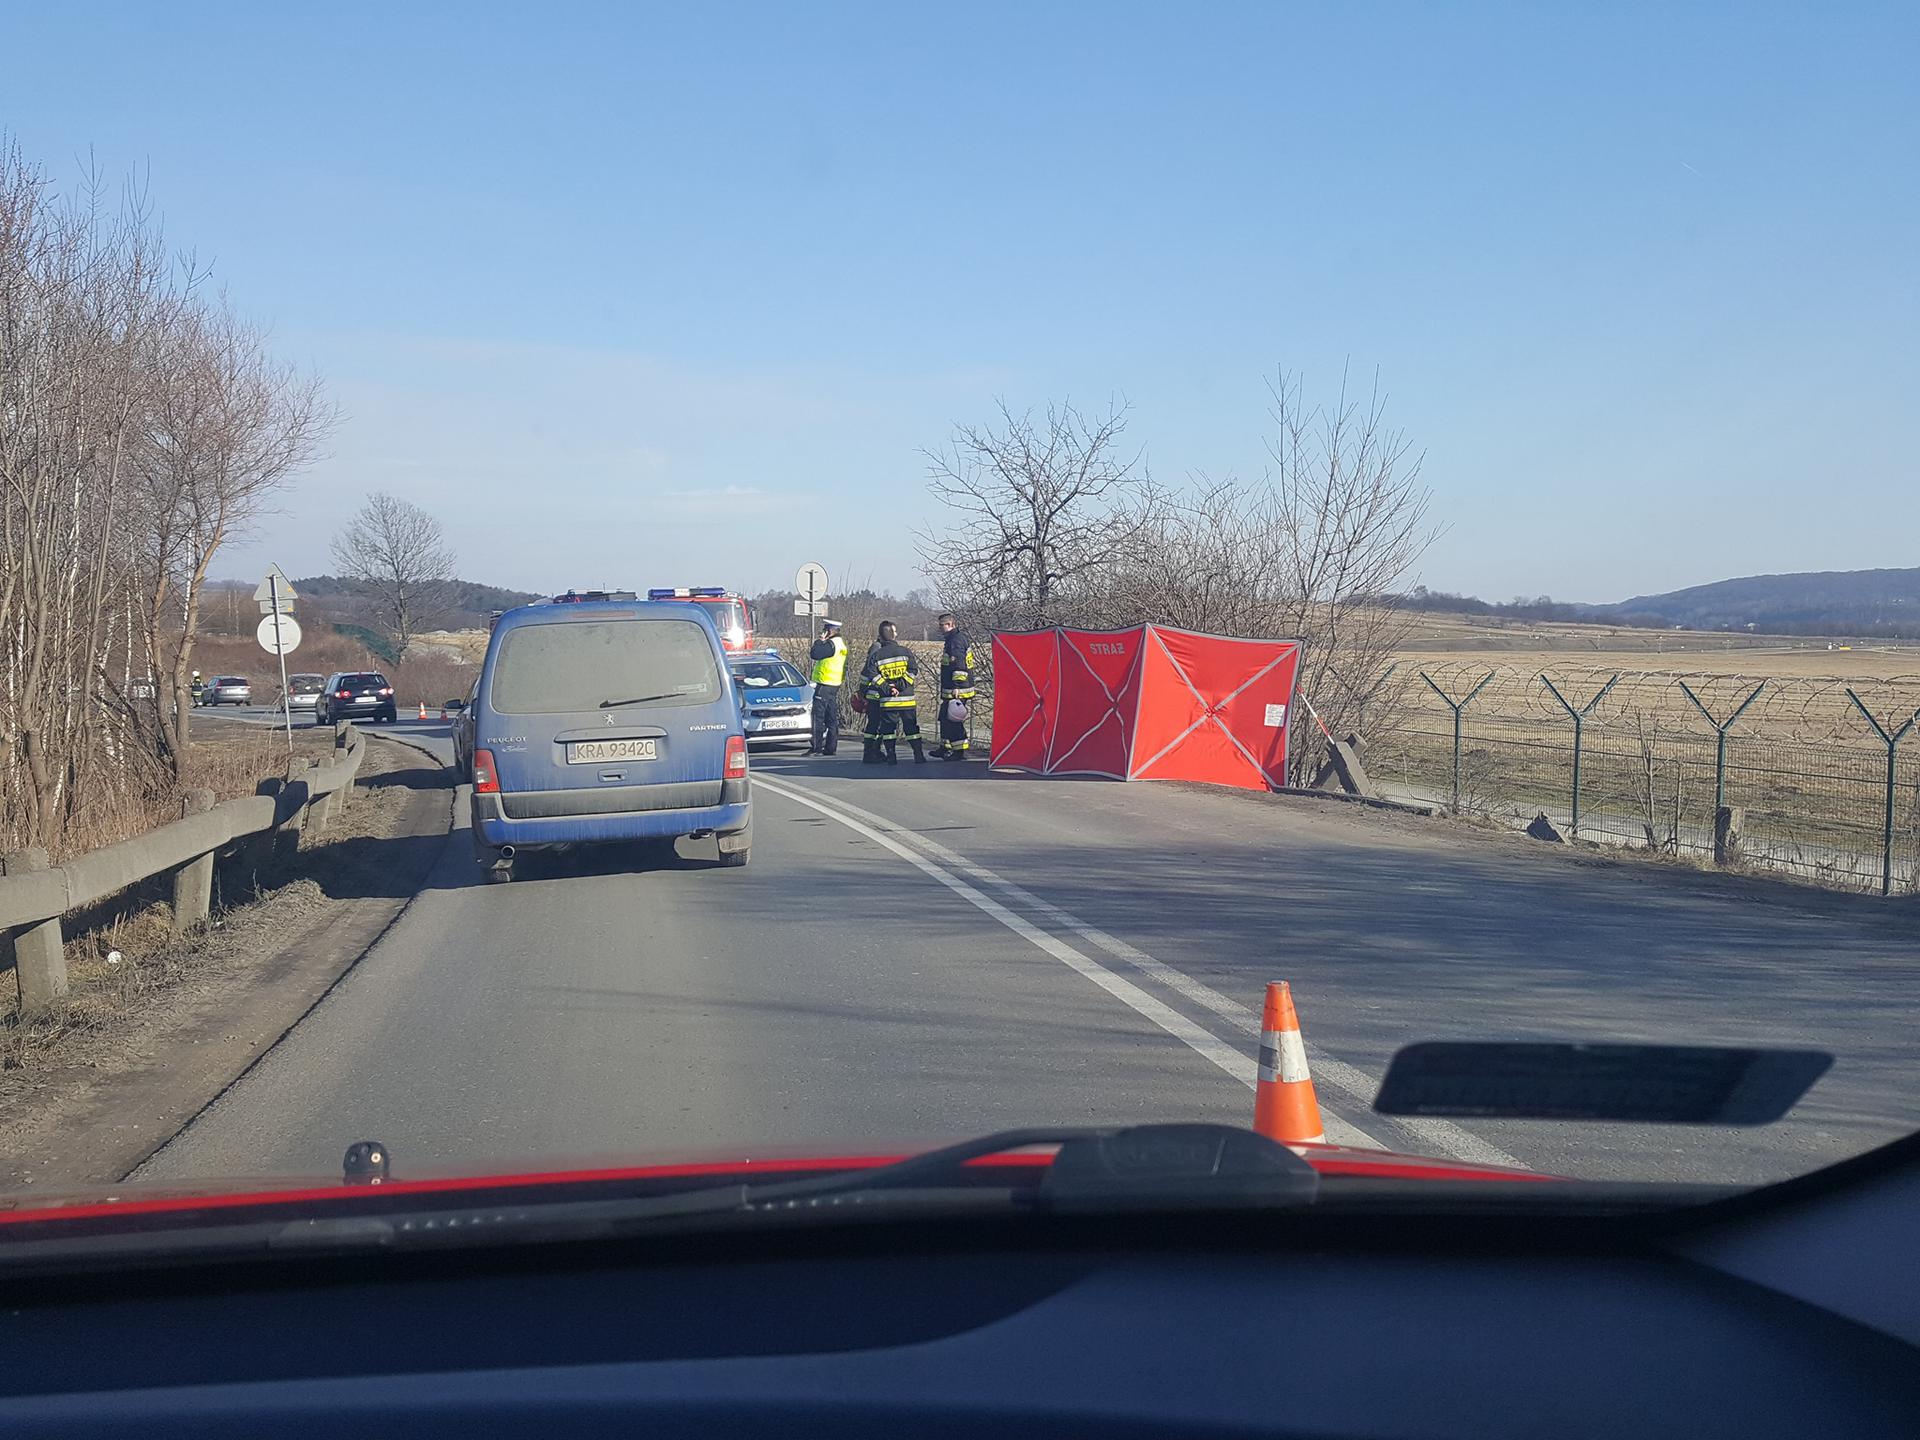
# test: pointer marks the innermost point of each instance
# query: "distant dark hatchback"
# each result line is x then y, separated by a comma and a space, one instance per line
355, 695
597, 722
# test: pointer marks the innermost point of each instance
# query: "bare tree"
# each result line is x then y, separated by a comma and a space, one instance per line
399, 551
140, 428
1314, 550
1039, 509
229, 428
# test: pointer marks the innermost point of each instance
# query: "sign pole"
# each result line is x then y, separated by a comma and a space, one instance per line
286, 704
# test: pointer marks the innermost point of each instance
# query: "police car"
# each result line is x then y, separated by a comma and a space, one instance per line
776, 700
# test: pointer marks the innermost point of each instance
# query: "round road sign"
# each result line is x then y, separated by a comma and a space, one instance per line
289, 636
811, 582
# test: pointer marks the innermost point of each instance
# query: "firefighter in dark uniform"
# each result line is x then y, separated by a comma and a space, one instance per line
829, 657
956, 687
887, 682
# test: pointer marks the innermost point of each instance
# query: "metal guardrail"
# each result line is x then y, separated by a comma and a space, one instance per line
34, 896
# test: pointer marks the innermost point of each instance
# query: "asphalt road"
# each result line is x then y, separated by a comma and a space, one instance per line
915, 956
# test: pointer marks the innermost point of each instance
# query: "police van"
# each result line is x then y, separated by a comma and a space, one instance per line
601, 721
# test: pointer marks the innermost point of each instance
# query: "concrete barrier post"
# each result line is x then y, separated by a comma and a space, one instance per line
313, 819
193, 881
283, 838
39, 951
342, 741
1727, 820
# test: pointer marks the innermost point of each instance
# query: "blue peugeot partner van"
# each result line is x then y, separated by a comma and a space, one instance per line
604, 721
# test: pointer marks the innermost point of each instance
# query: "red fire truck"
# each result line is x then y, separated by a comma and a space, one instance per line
732, 614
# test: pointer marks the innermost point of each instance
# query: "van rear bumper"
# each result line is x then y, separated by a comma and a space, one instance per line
491, 827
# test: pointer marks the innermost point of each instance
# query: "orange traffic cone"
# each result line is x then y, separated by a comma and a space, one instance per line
423, 709
443, 712
1284, 1107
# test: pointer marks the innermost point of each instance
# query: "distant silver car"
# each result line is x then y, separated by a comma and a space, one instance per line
227, 690
303, 692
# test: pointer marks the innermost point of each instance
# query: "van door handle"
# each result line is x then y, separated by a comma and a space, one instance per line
613, 774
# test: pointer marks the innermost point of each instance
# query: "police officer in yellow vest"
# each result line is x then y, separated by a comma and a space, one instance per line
956, 690
887, 682
829, 656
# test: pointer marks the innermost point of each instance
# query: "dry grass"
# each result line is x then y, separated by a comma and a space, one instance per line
230, 765
1438, 633
124, 956
1860, 663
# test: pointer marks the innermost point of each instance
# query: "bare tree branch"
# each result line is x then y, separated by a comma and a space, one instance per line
399, 551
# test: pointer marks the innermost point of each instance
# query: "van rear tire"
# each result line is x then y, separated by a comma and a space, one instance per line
735, 859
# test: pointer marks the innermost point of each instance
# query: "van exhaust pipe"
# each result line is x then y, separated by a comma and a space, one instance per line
506, 852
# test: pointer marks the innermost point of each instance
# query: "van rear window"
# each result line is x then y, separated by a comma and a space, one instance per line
599, 664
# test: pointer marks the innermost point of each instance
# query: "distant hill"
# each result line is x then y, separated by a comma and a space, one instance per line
463, 605
1822, 602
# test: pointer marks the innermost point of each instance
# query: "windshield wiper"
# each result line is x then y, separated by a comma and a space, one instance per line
1143, 1167
1153, 1167
637, 700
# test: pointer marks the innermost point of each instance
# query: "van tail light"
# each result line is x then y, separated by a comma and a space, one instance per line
736, 756
486, 780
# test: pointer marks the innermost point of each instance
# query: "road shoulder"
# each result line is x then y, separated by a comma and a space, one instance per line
107, 1099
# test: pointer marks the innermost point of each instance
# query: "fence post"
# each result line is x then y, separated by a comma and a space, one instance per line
193, 881
1720, 728
1892, 742
1579, 729
39, 951
1456, 706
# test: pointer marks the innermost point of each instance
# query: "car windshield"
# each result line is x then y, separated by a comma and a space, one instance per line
561, 668
758, 674
1062, 564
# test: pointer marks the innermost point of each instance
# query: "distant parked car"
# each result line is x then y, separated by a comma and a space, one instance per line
462, 728
776, 700
303, 692
227, 690
355, 695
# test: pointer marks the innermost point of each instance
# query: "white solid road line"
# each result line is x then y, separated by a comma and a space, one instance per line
1228, 1057
1349, 1081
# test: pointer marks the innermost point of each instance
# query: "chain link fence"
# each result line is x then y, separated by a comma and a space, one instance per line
1817, 777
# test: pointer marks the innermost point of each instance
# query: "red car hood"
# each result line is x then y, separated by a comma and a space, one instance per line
124, 1202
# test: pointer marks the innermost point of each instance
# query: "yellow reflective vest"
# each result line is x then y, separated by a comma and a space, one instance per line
833, 669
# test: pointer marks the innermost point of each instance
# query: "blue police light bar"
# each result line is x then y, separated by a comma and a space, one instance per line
666, 592
710, 590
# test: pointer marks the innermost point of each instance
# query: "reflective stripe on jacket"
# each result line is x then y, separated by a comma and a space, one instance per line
888, 676
956, 667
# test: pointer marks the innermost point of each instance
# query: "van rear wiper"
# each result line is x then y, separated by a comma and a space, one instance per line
637, 700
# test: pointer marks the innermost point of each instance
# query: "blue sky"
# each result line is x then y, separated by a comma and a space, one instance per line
633, 294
